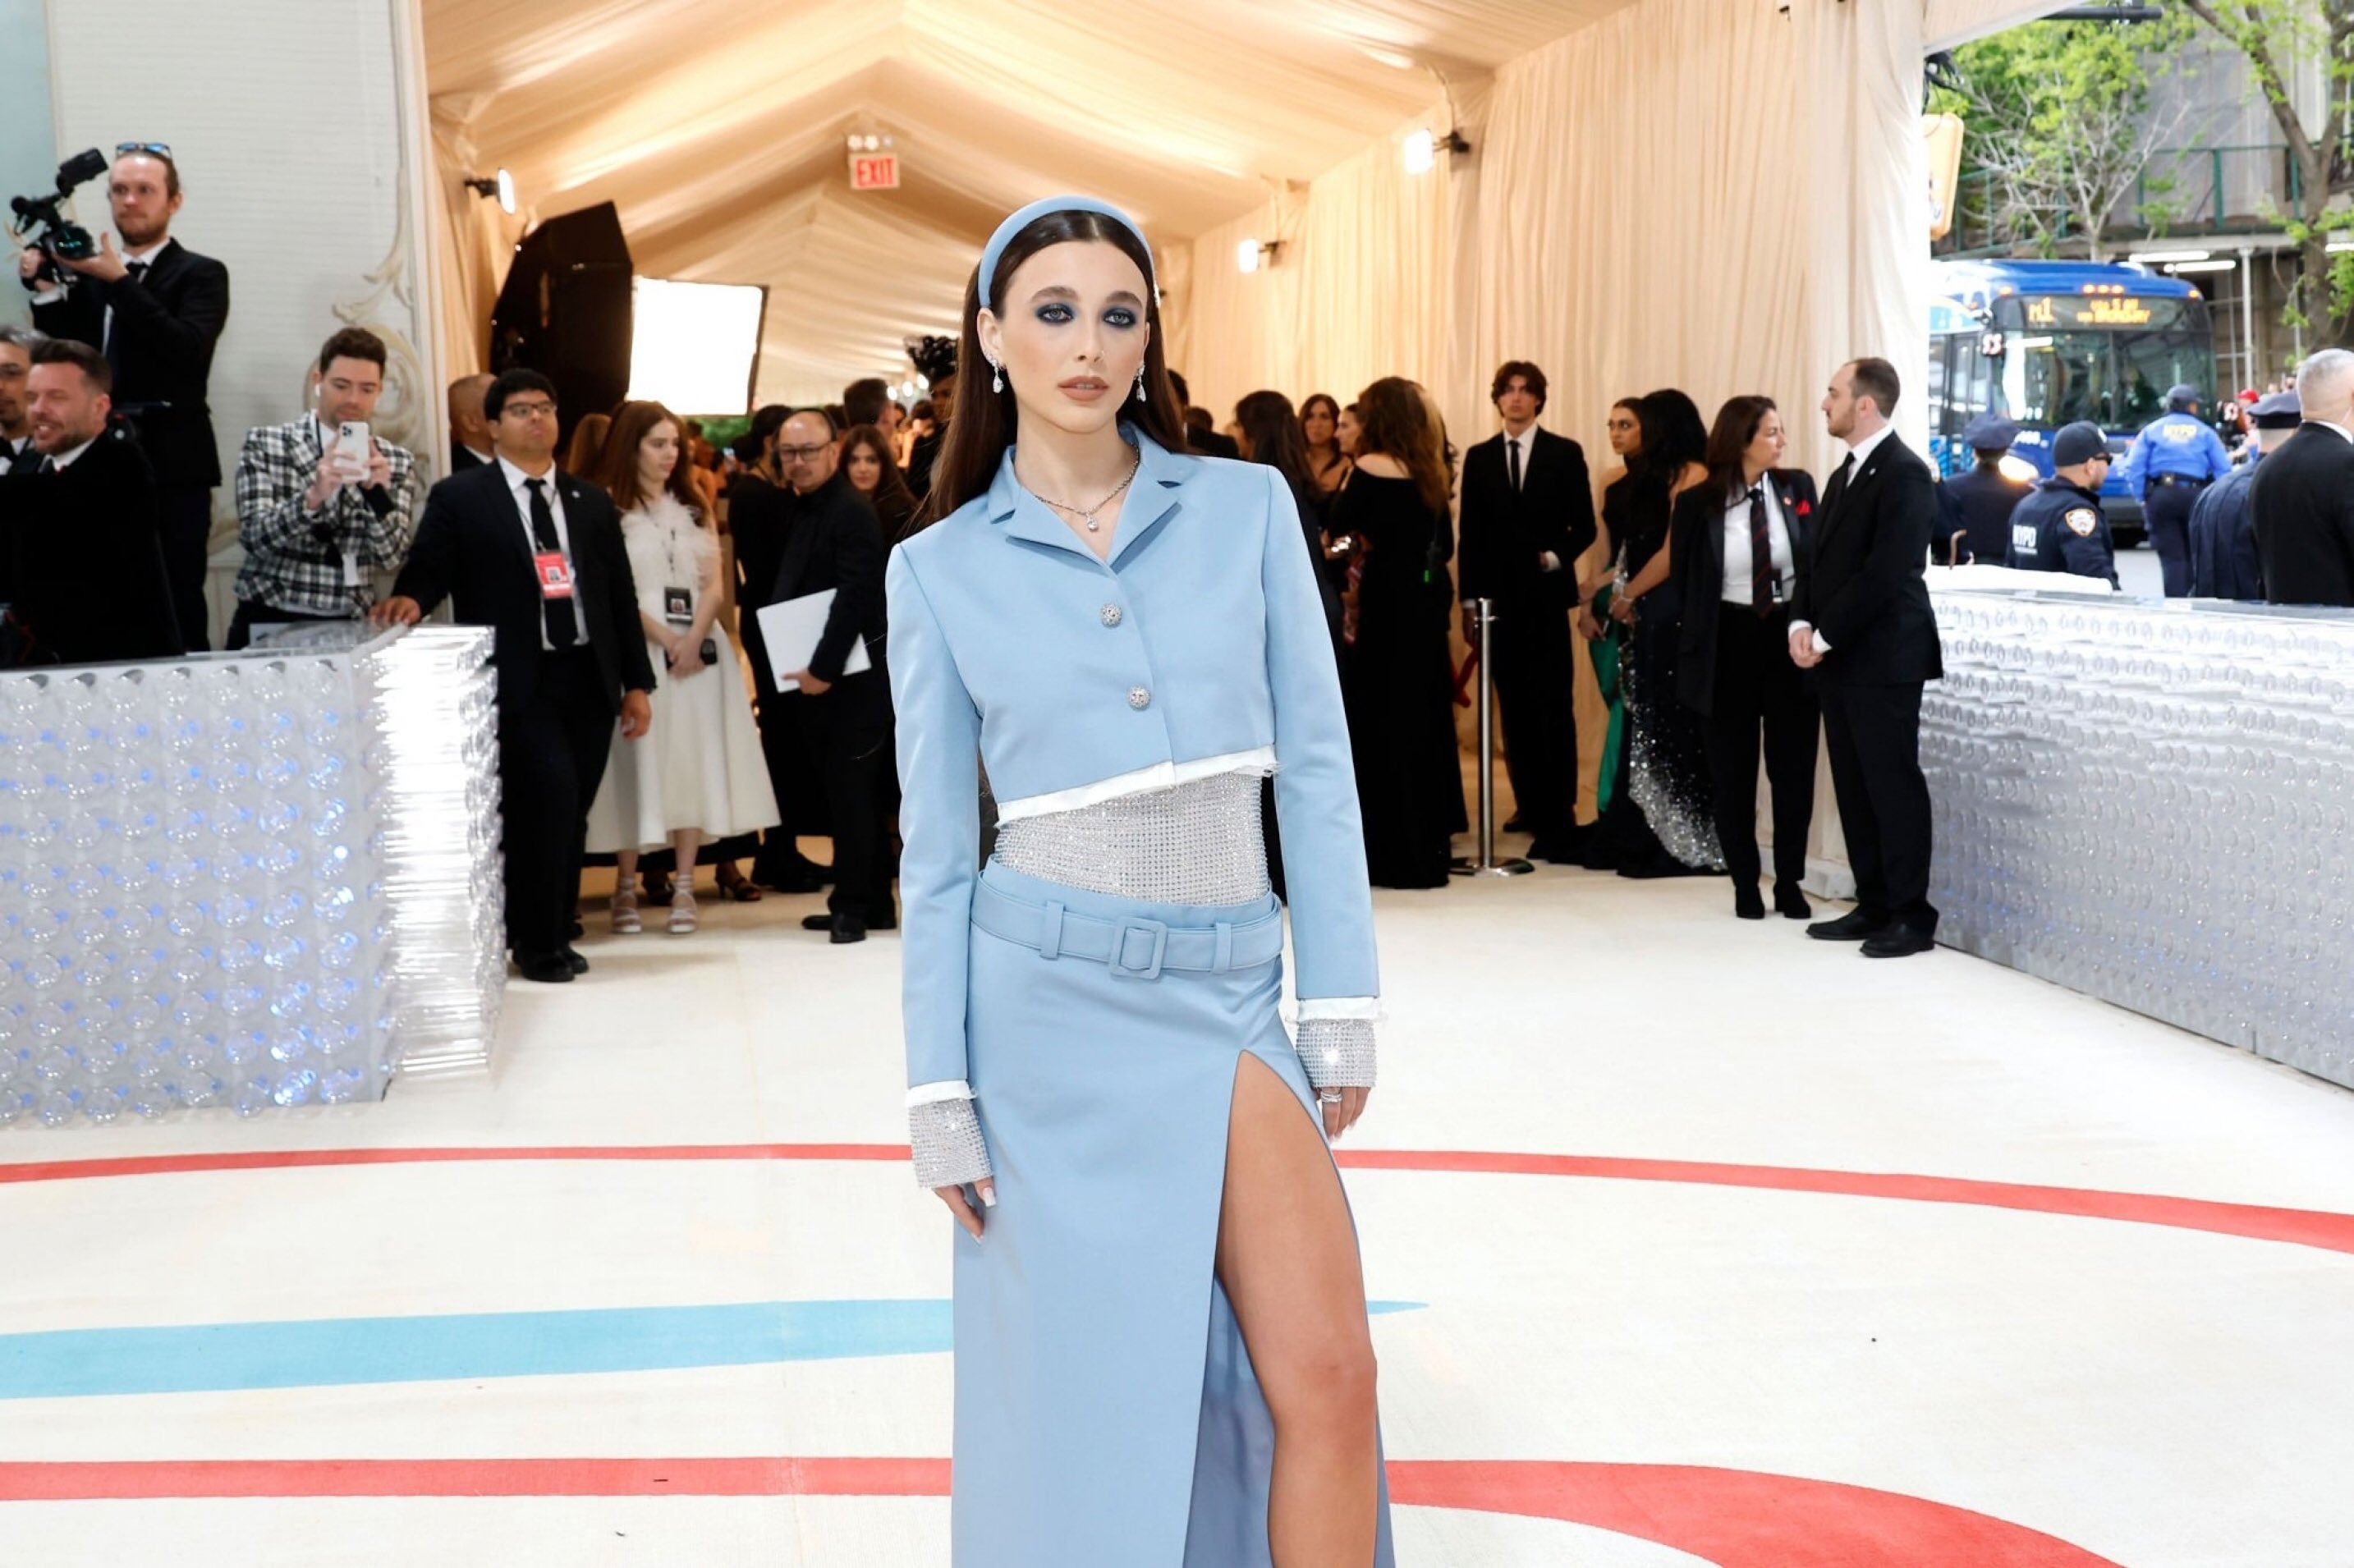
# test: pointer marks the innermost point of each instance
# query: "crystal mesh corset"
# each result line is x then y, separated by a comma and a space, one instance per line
1196, 843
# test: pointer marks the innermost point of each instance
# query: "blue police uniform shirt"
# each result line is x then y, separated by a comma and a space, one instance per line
2059, 529
1200, 645
2182, 445
2223, 562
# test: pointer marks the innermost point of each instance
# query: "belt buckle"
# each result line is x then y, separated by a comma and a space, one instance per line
1119, 930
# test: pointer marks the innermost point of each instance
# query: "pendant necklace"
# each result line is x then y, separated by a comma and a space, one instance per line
1087, 514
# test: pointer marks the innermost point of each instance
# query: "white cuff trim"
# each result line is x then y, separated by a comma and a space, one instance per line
1368, 1008
933, 1094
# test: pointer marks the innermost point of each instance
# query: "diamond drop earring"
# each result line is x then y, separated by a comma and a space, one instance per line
1141, 396
996, 377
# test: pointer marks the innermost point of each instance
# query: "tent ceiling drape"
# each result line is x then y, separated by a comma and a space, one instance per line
720, 129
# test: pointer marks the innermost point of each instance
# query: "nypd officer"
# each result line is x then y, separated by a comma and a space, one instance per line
2175, 457
1978, 503
2059, 527
2223, 525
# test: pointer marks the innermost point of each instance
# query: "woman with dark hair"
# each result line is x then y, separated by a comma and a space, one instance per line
697, 776
1398, 679
1161, 1348
1320, 423
1667, 756
1740, 542
1271, 433
588, 448
867, 460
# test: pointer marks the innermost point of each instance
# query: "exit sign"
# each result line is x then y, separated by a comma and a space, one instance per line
874, 171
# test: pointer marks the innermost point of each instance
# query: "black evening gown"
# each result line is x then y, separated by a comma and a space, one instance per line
1399, 685
1660, 821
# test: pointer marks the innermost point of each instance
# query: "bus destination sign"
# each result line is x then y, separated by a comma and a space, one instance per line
2088, 310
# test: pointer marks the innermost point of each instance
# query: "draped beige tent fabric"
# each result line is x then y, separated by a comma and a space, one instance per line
718, 130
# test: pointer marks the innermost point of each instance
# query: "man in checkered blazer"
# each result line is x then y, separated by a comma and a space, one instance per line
314, 521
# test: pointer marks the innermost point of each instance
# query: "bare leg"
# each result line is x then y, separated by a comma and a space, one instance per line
625, 865
686, 843
1288, 1258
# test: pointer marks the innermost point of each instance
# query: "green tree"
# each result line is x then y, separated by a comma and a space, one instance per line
2281, 40
2060, 115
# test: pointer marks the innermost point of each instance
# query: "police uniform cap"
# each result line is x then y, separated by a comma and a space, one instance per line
2281, 411
1990, 433
2078, 442
2181, 394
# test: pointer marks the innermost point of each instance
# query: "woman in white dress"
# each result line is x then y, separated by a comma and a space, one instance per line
698, 774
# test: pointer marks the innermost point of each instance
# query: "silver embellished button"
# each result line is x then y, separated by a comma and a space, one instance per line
1110, 614
1137, 698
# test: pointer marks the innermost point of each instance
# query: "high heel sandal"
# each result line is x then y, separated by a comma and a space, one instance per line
626, 922
735, 886
682, 913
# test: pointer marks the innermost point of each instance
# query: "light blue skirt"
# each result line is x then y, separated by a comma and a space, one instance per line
1107, 1416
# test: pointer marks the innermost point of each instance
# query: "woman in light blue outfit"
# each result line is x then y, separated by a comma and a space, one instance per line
1157, 1269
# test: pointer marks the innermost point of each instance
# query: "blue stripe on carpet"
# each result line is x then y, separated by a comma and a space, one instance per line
322, 1352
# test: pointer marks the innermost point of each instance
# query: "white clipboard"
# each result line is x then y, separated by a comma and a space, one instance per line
790, 628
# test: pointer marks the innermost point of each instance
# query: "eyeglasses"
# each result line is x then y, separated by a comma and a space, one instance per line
802, 454
528, 411
152, 149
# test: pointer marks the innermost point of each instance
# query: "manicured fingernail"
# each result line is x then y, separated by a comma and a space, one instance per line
988, 1200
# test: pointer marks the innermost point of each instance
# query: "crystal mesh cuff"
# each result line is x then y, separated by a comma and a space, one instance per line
1195, 844
1337, 1052
946, 1136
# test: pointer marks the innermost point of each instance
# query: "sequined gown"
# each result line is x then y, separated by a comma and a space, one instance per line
1661, 820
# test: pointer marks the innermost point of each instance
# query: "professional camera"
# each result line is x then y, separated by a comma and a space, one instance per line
47, 227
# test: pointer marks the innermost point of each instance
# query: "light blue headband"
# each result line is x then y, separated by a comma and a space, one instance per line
995, 249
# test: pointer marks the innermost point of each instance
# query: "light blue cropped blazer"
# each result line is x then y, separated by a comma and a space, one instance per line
1013, 647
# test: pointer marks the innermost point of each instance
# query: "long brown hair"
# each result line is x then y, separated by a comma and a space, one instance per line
586, 453
982, 424
892, 502
617, 467
1393, 419
1737, 424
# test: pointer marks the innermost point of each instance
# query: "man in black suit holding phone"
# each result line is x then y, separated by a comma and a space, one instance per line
537, 556
1528, 515
1860, 619
155, 309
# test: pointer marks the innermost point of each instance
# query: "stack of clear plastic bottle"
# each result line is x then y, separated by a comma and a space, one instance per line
2151, 804
193, 897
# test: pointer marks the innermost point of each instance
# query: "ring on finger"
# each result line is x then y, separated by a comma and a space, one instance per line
1328, 1096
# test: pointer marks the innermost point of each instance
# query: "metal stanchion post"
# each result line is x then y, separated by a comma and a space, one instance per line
1484, 716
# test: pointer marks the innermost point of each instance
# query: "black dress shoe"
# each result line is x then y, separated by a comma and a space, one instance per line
572, 956
1899, 942
548, 969
1855, 925
821, 921
1791, 904
1513, 825
848, 928
1746, 904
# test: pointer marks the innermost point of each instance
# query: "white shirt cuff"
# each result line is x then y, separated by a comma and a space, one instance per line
1368, 1008
933, 1094
1821, 645
1551, 562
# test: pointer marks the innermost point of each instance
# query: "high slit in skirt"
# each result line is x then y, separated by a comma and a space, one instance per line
1107, 1416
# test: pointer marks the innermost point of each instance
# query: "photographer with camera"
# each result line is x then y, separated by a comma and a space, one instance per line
322, 500
155, 309
79, 563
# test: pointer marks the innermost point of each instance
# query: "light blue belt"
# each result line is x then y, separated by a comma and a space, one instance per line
1131, 946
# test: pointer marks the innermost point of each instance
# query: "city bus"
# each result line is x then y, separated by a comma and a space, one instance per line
2049, 343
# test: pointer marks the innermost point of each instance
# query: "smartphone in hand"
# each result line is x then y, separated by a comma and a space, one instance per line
352, 450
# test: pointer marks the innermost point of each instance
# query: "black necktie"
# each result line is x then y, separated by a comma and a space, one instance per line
133, 272
563, 630
1761, 554
1514, 447
1838, 486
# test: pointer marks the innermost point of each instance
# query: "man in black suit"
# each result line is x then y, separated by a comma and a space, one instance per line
2303, 495
1528, 515
470, 431
1860, 619
759, 514
155, 309
79, 560
1202, 432
833, 540
537, 556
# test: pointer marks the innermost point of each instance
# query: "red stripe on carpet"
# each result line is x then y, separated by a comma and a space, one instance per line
1735, 1519
2300, 1227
